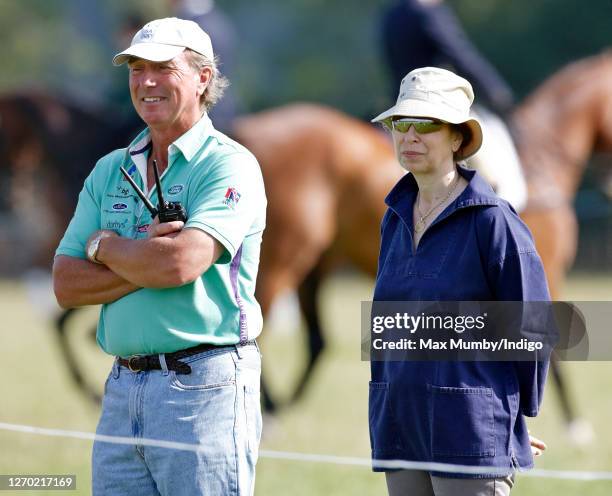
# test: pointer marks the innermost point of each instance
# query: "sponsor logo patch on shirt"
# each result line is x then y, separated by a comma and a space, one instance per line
116, 225
176, 189
231, 197
119, 206
123, 192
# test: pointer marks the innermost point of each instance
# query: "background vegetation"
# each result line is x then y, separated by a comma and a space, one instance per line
295, 49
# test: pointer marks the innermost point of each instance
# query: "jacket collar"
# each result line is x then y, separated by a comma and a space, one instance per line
478, 192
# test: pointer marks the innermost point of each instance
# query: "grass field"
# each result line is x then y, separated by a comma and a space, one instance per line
331, 419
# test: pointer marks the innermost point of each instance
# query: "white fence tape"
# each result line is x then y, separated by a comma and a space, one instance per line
306, 457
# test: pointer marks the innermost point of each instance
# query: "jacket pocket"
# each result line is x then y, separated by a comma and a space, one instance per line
384, 433
462, 421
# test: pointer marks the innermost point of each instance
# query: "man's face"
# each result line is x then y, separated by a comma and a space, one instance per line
167, 94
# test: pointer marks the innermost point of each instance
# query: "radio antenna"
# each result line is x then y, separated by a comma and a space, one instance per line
142, 196
160, 197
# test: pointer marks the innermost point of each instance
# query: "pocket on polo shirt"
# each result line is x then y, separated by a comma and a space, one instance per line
462, 421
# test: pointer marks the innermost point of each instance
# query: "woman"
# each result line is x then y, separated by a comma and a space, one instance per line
447, 237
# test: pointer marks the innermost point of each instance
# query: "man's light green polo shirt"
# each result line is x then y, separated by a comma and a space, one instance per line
220, 185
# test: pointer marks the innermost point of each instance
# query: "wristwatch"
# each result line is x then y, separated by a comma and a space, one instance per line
94, 245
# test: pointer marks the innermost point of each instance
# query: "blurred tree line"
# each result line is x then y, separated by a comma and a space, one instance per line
325, 51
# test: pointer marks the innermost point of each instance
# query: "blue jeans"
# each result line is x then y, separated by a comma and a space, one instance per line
216, 406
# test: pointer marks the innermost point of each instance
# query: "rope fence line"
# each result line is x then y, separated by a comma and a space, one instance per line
313, 458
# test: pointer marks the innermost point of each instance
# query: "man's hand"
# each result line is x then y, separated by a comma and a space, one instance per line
170, 256
170, 229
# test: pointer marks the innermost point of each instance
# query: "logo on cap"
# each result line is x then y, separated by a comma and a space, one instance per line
147, 33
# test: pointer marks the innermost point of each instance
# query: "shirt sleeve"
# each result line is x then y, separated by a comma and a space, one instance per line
86, 220
516, 273
228, 201
520, 276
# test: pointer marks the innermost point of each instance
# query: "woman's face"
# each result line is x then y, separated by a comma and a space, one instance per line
426, 153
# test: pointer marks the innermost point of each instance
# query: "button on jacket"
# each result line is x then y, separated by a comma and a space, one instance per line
467, 413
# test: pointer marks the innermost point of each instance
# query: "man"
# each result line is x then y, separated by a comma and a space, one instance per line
178, 306
420, 33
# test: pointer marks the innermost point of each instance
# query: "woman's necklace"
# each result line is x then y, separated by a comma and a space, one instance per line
420, 224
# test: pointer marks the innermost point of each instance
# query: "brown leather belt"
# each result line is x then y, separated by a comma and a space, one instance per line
138, 363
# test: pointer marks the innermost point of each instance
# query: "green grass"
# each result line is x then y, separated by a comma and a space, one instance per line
331, 419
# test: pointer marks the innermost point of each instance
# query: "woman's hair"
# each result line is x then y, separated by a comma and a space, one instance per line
466, 137
217, 84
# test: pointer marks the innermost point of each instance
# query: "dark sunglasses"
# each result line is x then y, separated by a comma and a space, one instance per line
421, 126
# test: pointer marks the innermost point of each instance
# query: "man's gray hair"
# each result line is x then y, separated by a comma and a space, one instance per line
217, 84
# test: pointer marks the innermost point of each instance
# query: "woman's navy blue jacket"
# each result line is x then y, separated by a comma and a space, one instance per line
466, 413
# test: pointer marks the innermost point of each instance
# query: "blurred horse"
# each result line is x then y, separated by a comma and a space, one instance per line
327, 175
560, 125
48, 146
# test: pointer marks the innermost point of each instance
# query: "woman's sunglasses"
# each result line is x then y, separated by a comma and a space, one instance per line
421, 126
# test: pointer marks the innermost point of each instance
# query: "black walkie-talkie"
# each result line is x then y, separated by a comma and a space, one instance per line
167, 211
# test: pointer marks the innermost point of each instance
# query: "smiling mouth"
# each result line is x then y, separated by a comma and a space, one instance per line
152, 99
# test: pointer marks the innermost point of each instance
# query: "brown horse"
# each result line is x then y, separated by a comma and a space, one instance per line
560, 125
47, 148
327, 175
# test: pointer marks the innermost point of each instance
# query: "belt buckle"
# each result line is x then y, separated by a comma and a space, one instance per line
130, 366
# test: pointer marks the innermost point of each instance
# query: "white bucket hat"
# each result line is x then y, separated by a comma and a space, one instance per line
164, 39
438, 94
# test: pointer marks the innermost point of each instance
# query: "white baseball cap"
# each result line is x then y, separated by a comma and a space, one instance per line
439, 94
164, 39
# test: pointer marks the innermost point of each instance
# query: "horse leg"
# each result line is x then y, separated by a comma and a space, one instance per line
273, 280
566, 407
563, 392
265, 293
307, 293
61, 326
281, 270
268, 404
